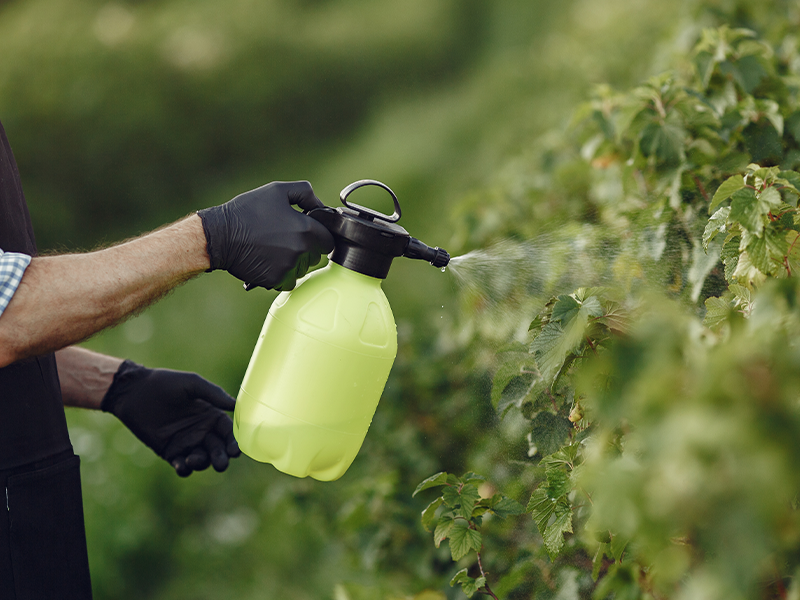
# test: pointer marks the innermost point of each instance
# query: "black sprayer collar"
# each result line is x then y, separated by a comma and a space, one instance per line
367, 241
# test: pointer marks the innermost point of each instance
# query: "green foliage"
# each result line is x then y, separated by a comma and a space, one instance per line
701, 484
661, 409
457, 516
549, 505
761, 232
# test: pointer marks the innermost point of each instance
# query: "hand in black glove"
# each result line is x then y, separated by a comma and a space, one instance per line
259, 238
177, 414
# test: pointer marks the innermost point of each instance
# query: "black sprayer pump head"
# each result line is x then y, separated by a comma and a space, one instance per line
367, 241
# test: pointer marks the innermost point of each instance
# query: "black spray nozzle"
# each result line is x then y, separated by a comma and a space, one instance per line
438, 257
367, 241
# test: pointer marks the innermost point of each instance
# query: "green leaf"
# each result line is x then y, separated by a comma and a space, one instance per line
746, 272
716, 224
451, 496
462, 501
717, 312
553, 515
443, 529
793, 252
792, 177
512, 363
663, 141
541, 506
617, 546
470, 477
565, 458
771, 197
747, 211
728, 187
604, 537
479, 583
597, 561
704, 63
463, 540
468, 585
592, 306
741, 294
767, 252
730, 255
501, 506
429, 514
561, 339
558, 482
616, 319
553, 535
460, 577
507, 507
565, 309
548, 432
750, 72
556, 487
432, 481
514, 393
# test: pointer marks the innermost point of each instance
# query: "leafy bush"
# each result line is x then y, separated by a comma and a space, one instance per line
661, 408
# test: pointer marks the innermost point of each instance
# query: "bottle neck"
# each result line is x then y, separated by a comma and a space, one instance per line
361, 260
349, 273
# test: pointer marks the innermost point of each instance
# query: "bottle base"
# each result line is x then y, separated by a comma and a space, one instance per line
292, 446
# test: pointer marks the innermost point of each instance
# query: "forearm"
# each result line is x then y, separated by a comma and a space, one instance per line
64, 299
85, 376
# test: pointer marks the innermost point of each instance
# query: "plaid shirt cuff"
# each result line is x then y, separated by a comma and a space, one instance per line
12, 267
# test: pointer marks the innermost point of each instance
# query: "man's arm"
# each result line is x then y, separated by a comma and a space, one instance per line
64, 299
258, 237
85, 376
180, 416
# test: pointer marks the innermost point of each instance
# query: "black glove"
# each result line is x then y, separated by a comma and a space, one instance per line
177, 414
259, 238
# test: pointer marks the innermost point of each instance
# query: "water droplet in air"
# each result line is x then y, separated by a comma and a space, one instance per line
444, 269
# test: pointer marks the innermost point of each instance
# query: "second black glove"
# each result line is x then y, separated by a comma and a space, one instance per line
180, 415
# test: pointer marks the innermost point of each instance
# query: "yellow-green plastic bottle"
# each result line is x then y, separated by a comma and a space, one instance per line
326, 349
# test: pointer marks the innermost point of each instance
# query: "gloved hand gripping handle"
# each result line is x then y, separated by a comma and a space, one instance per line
365, 240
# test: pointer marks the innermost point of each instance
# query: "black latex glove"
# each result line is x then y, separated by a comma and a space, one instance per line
179, 415
259, 238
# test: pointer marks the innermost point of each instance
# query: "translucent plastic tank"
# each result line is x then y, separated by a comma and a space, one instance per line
317, 374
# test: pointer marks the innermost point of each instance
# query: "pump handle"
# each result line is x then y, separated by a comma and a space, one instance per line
368, 213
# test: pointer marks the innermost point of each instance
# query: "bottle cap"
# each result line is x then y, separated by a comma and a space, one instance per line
366, 240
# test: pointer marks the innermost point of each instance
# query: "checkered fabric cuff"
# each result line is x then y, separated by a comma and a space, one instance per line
12, 267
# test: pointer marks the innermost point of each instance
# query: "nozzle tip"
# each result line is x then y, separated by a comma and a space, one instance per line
441, 257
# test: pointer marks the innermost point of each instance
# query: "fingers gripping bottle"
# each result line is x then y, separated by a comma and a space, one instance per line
325, 351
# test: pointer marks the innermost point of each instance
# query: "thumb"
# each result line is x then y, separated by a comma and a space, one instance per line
302, 194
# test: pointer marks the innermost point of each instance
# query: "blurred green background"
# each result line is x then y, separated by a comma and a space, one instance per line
127, 115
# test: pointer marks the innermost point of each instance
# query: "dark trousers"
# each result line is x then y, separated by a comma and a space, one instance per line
42, 537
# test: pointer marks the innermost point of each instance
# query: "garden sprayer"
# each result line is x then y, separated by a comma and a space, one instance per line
325, 351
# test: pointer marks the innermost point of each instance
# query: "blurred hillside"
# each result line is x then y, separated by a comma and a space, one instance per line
126, 115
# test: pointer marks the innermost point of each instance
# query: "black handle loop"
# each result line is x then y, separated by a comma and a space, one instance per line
365, 212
